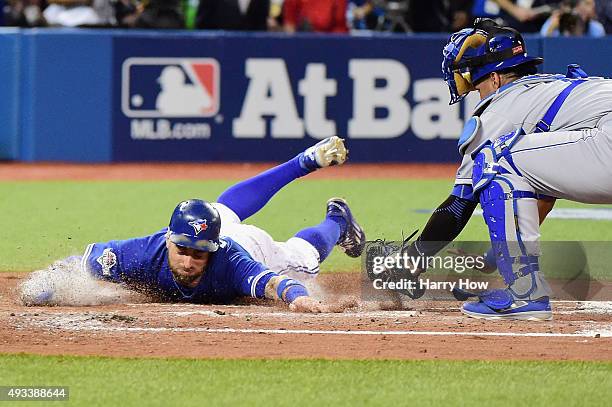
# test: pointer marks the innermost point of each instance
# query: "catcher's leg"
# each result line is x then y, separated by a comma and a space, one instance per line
249, 196
572, 165
510, 211
512, 218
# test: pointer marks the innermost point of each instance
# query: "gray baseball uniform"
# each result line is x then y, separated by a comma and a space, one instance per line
574, 159
570, 160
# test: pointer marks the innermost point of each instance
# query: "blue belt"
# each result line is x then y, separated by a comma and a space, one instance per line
521, 195
544, 124
485, 196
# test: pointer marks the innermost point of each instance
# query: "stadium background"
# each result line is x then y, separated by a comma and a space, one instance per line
63, 100
67, 94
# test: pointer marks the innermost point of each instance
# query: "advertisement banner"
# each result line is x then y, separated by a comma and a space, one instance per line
255, 98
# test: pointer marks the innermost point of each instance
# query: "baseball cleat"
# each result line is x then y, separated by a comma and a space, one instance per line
353, 240
325, 153
532, 310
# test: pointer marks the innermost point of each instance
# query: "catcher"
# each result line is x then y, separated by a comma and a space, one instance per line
532, 139
207, 255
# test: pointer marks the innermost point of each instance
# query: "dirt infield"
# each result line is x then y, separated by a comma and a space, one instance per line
416, 330
55, 171
412, 330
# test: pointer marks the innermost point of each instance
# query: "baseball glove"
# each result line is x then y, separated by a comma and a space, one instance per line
396, 273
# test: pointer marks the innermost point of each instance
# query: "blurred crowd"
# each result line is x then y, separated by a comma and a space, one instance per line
548, 17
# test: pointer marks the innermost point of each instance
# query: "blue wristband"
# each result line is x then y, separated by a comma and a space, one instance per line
293, 289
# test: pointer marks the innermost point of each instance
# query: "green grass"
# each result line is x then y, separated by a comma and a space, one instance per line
44, 221
184, 382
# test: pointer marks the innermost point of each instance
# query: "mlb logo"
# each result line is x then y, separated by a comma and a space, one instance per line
170, 87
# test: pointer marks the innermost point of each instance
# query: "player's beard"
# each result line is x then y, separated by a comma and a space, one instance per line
187, 280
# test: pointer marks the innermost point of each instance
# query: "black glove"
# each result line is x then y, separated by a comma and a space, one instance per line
397, 272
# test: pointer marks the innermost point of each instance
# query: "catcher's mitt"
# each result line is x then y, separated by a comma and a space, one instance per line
383, 249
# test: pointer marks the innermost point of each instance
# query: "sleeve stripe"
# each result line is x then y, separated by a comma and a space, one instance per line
256, 280
86, 256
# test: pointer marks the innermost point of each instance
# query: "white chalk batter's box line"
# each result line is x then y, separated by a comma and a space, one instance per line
66, 322
70, 323
581, 307
604, 333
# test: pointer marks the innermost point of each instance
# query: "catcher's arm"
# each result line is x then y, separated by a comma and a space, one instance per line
443, 226
449, 219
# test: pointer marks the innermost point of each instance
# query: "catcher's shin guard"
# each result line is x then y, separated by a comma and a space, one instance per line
515, 256
510, 211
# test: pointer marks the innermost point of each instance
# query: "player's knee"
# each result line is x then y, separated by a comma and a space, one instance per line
485, 168
488, 160
497, 189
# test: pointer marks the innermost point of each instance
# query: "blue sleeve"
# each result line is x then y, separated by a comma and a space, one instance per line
122, 260
249, 276
464, 191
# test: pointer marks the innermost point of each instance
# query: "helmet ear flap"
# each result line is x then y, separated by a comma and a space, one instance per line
463, 80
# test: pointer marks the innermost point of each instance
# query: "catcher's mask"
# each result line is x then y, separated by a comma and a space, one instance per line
195, 224
473, 53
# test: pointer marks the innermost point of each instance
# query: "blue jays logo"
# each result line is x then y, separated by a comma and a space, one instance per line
170, 87
199, 226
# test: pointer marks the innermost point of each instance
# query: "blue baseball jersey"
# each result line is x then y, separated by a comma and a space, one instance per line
142, 264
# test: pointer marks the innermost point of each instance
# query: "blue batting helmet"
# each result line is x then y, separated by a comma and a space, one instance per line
473, 53
195, 224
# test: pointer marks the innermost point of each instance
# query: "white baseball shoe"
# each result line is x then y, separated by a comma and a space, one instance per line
325, 153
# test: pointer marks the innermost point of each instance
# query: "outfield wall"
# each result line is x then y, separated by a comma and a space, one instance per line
114, 95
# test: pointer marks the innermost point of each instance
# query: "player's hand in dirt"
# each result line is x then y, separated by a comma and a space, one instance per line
311, 305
